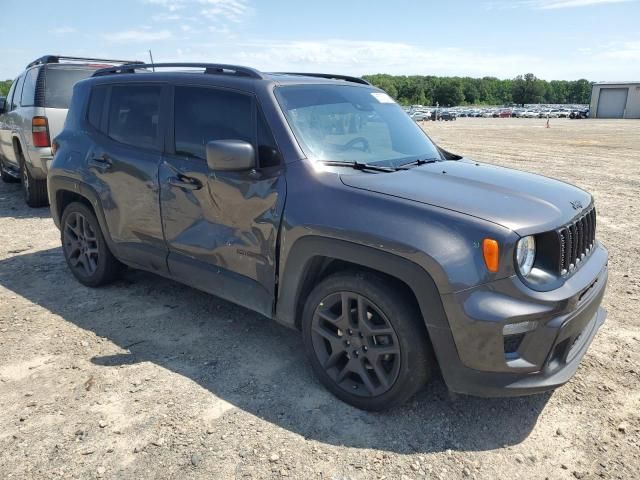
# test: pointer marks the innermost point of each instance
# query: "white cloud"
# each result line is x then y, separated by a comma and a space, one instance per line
359, 57
62, 30
213, 10
136, 36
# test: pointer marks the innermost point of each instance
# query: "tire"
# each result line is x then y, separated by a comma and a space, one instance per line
35, 190
85, 249
342, 351
6, 178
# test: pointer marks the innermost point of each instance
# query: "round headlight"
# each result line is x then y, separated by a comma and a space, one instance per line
526, 255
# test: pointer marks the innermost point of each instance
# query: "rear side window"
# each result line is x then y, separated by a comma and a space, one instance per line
96, 106
15, 102
10, 96
29, 89
203, 114
134, 112
58, 85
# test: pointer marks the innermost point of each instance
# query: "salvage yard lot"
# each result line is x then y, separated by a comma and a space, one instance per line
151, 379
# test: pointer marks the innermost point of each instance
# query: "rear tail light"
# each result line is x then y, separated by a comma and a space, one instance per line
40, 132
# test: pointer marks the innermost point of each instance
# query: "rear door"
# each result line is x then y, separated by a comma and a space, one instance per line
221, 227
10, 123
126, 129
6, 146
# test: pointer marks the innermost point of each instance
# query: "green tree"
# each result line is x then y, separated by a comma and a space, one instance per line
4, 87
449, 93
527, 89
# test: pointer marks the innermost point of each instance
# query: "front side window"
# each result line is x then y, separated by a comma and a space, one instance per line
348, 123
29, 89
134, 112
58, 85
202, 115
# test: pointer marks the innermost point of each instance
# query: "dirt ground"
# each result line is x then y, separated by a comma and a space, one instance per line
151, 379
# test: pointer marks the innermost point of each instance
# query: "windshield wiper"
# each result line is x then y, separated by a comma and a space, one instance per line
417, 163
359, 166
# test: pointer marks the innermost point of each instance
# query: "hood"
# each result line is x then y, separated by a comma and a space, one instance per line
523, 202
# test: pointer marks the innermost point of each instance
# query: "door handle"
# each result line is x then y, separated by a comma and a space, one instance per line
102, 162
186, 183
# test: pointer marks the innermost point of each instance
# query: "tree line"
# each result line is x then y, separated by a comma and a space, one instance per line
452, 91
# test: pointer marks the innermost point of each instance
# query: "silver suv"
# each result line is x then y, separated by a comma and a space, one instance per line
34, 113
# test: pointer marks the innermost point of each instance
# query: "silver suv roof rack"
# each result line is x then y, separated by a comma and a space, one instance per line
329, 76
209, 68
56, 59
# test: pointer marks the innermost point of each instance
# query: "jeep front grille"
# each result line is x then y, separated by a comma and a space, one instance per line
576, 241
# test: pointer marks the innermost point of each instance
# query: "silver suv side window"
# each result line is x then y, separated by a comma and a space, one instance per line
15, 101
29, 89
134, 112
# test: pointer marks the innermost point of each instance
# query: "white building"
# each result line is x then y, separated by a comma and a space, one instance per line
615, 100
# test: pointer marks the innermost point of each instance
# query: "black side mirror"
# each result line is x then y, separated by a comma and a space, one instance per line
3, 104
230, 155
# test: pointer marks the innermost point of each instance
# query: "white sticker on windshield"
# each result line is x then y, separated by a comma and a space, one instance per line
382, 97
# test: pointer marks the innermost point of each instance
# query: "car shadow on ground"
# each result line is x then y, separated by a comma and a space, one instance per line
255, 364
13, 204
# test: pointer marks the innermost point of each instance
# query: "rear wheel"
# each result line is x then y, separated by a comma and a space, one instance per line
365, 340
85, 248
35, 189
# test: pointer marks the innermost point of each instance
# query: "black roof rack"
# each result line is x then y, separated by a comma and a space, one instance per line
329, 76
56, 59
209, 68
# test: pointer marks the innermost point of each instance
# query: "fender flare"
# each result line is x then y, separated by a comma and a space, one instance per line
57, 183
300, 260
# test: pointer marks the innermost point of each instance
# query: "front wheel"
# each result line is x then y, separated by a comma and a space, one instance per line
365, 340
85, 249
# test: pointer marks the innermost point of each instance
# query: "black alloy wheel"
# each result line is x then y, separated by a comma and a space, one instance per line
81, 245
356, 344
366, 340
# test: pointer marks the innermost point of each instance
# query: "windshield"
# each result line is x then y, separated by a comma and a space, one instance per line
353, 124
59, 84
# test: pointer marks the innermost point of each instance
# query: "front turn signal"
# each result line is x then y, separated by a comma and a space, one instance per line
491, 254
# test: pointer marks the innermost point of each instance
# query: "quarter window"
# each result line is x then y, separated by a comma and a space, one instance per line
96, 106
134, 112
29, 89
202, 115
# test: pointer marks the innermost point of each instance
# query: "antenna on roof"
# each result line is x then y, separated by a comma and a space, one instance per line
151, 57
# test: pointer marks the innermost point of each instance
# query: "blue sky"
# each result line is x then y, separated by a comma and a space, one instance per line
555, 39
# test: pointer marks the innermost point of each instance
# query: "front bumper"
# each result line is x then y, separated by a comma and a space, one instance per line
476, 359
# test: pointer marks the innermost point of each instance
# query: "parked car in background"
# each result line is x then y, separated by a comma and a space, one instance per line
33, 114
314, 200
447, 116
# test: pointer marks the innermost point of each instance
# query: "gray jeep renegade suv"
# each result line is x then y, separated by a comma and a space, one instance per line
316, 201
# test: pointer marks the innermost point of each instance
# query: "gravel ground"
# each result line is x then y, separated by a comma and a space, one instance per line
151, 379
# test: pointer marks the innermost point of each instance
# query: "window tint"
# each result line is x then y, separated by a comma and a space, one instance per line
96, 106
29, 89
203, 114
134, 115
15, 102
268, 155
59, 84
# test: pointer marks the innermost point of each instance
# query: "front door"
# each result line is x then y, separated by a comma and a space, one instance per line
221, 227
